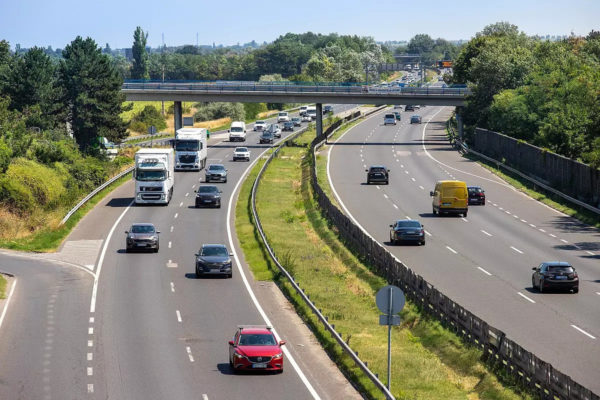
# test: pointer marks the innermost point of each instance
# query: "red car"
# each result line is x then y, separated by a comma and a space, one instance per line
255, 348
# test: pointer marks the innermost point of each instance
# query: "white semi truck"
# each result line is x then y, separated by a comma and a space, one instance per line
190, 148
154, 176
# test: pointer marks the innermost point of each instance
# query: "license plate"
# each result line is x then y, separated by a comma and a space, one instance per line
560, 277
259, 365
446, 204
208, 201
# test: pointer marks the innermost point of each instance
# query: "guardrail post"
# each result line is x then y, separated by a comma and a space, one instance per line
178, 115
319, 119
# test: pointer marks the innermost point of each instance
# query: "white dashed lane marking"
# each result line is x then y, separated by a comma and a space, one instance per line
485, 233
176, 215
451, 249
385, 195
90, 356
563, 240
517, 250
590, 253
551, 235
584, 332
171, 229
178, 315
169, 244
525, 297
395, 206
172, 287
421, 187
484, 271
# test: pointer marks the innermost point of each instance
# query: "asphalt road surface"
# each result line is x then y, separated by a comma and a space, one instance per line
150, 329
482, 262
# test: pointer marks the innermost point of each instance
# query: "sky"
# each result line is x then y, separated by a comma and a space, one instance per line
57, 22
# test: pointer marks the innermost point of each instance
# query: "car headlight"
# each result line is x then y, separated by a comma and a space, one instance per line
278, 355
162, 196
238, 355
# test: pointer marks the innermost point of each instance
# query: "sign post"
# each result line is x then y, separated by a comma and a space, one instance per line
390, 301
151, 132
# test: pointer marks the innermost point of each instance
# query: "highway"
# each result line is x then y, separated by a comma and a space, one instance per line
484, 261
141, 326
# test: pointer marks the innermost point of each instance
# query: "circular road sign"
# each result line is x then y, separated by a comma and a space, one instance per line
382, 299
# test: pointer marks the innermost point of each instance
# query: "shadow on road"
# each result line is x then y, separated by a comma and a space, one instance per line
119, 202
225, 369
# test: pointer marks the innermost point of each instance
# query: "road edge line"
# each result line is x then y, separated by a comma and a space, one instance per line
12, 290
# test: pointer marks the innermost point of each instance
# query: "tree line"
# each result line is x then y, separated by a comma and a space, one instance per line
545, 93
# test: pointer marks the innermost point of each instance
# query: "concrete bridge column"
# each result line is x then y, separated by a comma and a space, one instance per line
178, 115
319, 119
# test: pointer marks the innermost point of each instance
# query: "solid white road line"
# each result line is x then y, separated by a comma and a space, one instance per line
10, 294
451, 249
489, 234
242, 274
101, 260
484, 271
517, 250
178, 315
582, 331
525, 297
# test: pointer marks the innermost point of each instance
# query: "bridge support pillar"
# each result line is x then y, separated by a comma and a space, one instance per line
459, 121
319, 119
178, 115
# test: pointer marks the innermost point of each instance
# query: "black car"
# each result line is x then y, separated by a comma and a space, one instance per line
415, 119
327, 109
266, 137
208, 195
213, 259
409, 107
377, 174
142, 237
476, 195
297, 121
407, 230
555, 274
288, 126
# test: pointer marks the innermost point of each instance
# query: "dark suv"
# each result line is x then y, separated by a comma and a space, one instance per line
377, 174
266, 137
555, 274
208, 195
213, 259
476, 195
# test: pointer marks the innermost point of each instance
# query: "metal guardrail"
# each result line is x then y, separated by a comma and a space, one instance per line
302, 294
290, 87
499, 164
93, 193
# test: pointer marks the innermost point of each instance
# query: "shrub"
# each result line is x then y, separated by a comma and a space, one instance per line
253, 109
147, 117
27, 183
212, 111
48, 152
5, 155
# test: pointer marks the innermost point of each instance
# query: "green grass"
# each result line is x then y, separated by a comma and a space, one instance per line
47, 239
2, 287
429, 362
139, 106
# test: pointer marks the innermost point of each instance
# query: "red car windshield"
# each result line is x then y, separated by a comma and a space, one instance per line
257, 339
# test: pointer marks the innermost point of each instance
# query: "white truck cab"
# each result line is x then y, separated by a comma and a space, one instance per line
154, 176
190, 148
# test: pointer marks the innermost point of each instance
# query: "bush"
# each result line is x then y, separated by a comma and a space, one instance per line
147, 117
253, 109
5, 155
28, 183
212, 111
88, 173
48, 152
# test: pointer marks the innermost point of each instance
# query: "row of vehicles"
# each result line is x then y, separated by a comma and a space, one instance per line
454, 197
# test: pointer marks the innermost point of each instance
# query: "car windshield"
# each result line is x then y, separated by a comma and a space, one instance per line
236, 129
408, 224
559, 268
283, 114
377, 169
267, 134
142, 229
257, 339
295, 119
389, 115
208, 189
214, 251
143, 175
216, 168
241, 150
475, 190
260, 122
187, 145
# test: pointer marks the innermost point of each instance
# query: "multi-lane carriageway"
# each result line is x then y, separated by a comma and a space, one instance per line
108, 324
153, 331
482, 262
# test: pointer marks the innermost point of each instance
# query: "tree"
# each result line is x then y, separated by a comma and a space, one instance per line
421, 43
5, 63
91, 93
139, 69
32, 83
502, 28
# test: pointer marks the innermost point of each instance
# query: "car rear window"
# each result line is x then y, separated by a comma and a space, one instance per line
142, 229
408, 224
558, 268
475, 190
377, 170
214, 251
390, 116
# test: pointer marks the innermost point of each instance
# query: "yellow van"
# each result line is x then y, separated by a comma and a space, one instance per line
450, 197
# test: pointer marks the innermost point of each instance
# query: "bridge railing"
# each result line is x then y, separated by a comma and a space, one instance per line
290, 87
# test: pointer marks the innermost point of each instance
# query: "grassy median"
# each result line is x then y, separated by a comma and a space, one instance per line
429, 362
2, 287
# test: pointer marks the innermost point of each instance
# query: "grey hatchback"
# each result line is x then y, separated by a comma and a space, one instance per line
213, 259
216, 172
142, 237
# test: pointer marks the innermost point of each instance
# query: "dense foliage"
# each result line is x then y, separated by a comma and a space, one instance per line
546, 93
